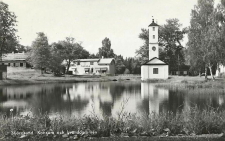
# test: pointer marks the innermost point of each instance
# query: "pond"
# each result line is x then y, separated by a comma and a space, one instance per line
104, 99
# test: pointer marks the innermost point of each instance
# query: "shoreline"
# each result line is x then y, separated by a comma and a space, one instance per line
67, 79
47, 79
23, 76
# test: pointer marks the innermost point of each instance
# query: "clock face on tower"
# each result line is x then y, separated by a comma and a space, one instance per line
153, 48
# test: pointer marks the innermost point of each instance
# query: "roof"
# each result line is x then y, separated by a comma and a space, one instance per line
100, 61
86, 60
15, 56
153, 23
105, 61
155, 61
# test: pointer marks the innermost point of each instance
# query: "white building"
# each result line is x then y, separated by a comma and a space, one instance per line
220, 70
93, 66
154, 68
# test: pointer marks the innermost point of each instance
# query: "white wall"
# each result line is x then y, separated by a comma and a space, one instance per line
153, 42
80, 69
153, 53
147, 72
222, 68
151, 33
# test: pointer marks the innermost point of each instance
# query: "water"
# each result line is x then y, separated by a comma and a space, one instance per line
103, 99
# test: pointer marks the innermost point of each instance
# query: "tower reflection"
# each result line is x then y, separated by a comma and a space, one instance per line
153, 98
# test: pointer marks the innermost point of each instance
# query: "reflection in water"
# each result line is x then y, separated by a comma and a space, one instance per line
102, 98
154, 97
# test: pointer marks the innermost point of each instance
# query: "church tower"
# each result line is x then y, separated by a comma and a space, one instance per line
154, 68
153, 40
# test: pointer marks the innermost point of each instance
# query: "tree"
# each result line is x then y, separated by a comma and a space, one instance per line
120, 67
135, 66
220, 33
143, 51
93, 56
170, 37
21, 48
106, 50
205, 38
8, 39
56, 59
70, 50
40, 53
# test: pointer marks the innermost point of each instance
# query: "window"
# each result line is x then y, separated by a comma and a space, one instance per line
78, 63
153, 36
153, 28
21, 64
155, 70
92, 63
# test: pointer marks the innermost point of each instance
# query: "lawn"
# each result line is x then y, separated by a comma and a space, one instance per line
17, 75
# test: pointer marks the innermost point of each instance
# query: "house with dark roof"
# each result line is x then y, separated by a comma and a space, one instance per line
93, 66
15, 60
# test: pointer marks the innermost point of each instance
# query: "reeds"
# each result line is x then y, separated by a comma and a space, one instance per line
188, 122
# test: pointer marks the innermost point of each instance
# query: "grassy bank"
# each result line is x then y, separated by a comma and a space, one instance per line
191, 83
189, 123
17, 76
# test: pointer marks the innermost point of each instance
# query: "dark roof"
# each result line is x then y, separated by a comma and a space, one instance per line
86, 60
146, 63
15, 56
153, 23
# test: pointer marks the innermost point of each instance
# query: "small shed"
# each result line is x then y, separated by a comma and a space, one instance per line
154, 69
3, 72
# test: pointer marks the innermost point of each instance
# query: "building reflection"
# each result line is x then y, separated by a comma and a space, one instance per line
153, 98
98, 97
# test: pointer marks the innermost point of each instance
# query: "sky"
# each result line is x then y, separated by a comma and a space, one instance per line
90, 21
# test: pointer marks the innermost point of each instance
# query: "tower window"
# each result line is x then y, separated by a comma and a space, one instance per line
155, 71
153, 28
153, 36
